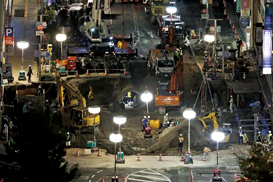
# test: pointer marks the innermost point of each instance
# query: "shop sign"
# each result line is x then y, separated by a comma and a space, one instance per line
267, 51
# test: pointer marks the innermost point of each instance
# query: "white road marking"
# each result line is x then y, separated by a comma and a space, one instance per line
135, 24
109, 167
99, 171
151, 175
151, 34
93, 176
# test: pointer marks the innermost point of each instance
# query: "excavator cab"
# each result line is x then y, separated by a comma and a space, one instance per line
227, 130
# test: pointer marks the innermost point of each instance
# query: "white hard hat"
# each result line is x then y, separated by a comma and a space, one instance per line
29, 65
144, 116
181, 134
269, 132
259, 132
230, 95
167, 114
67, 133
205, 52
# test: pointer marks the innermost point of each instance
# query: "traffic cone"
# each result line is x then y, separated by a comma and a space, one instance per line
99, 153
124, 178
235, 175
204, 157
102, 180
233, 26
232, 150
138, 157
227, 17
37, 76
87, 72
160, 157
191, 176
182, 158
77, 74
125, 73
244, 76
105, 72
218, 154
77, 153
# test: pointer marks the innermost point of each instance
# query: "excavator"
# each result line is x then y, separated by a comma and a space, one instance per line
226, 126
81, 119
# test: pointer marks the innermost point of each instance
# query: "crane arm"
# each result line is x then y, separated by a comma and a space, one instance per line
73, 91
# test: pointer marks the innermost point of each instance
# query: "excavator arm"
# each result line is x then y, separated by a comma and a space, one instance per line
61, 84
213, 118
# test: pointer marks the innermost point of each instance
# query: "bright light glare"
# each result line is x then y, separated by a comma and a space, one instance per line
61, 37
116, 138
217, 136
171, 9
119, 120
146, 96
209, 38
94, 109
22, 44
189, 113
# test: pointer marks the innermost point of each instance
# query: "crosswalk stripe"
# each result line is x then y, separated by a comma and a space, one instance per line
147, 172
134, 179
149, 177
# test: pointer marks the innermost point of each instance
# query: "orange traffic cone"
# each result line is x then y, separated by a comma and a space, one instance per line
77, 153
77, 74
236, 175
233, 27
138, 157
227, 17
124, 178
182, 158
87, 72
105, 72
99, 153
232, 150
102, 180
191, 176
204, 157
160, 158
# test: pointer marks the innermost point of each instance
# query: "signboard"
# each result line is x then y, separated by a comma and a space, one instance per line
267, 51
268, 16
204, 2
205, 16
245, 13
244, 22
238, 6
259, 34
38, 33
47, 56
7, 70
245, 4
9, 41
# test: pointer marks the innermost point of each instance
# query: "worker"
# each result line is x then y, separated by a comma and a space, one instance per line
29, 73
245, 138
206, 59
144, 123
39, 91
129, 96
259, 138
231, 104
240, 135
181, 141
47, 105
269, 138
68, 139
180, 52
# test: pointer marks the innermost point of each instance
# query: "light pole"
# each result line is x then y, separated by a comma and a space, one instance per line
94, 110
189, 114
146, 97
115, 138
22, 45
60, 38
120, 120
217, 136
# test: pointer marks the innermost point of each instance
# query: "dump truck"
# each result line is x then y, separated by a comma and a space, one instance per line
170, 95
80, 119
161, 61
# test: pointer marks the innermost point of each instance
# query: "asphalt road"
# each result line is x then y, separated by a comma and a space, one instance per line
148, 175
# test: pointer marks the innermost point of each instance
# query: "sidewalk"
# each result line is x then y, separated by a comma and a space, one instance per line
226, 159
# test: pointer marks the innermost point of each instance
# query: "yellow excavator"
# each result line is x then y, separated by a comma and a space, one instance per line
226, 126
81, 119
212, 117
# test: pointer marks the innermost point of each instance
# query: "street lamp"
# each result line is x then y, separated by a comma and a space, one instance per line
94, 110
120, 120
60, 38
217, 136
189, 114
22, 45
209, 38
116, 138
92, 30
146, 97
171, 9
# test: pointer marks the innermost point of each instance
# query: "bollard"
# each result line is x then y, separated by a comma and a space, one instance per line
232, 150
235, 175
204, 157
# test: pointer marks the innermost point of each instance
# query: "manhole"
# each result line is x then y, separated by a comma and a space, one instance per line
19, 13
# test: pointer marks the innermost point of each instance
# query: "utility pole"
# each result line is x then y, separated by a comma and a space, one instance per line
1, 57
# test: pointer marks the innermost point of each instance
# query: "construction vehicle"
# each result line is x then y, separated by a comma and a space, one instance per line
170, 95
157, 7
124, 46
71, 64
161, 61
80, 118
